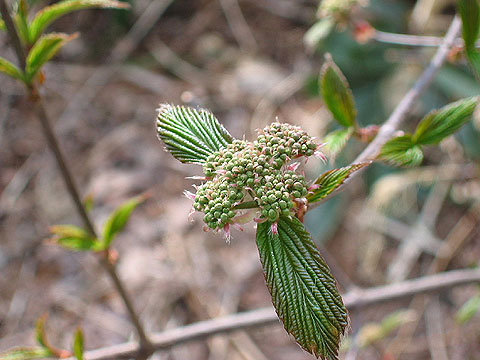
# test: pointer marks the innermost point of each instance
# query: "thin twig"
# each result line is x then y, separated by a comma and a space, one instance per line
53, 143
265, 316
414, 40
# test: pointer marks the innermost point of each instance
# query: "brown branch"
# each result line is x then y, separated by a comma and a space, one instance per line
52, 141
354, 299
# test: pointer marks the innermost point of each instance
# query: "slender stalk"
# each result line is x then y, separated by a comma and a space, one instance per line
145, 344
355, 299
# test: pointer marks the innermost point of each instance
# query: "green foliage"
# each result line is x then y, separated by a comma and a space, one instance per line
118, 220
2, 25
336, 140
402, 151
303, 290
21, 21
470, 13
74, 238
191, 135
318, 32
26, 354
44, 49
332, 180
78, 345
51, 13
337, 94
8, 68
468, 310
441, 123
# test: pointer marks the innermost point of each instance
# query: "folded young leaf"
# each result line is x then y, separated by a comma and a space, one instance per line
337, 94
439, 124
401, 151
190, 135
118, 220
78, 345
474, 59
304, 292
470, 13
44, 49
73, 238
468, 310
331, 181
26, 354
10, 69
336, 140
42, 337
51, 13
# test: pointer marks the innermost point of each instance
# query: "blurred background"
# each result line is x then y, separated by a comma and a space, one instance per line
248, 61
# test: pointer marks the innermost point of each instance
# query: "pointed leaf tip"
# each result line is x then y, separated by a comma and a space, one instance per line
304, 292
401, 151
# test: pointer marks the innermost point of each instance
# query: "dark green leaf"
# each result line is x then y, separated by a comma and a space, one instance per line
474, 59
332, 180
336, 140
470, 13
468, 310
191, 135
73, 238
304, 292
118, 220
78, 345
51, 13
8, 68
337, 94
44, 49
439, 124
401, 151
26, 354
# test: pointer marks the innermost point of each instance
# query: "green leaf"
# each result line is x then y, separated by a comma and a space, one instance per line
118, 220
78, 345
470, 13
332, 180
337, 94
190, 135
2, 25
51, 13
21, 21
10, 69
304, 292
474, 59
468, 310
73, 238
26, 354
336, 140
439, 124
401, 151
42, 337
43, 50
318, 32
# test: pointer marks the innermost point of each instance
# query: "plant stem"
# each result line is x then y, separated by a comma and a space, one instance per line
355, 299
42, 114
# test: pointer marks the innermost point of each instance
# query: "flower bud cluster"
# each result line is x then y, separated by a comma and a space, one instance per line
255, 172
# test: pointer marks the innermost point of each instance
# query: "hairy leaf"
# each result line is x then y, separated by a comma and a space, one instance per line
332, 180
51, 13
118, 220
78, 345
8, 68
468, 310
190, 135
470, 13
43, 50
439, 124
401, 151
337, 94
336, 140
26, 354
304, 292
73, 238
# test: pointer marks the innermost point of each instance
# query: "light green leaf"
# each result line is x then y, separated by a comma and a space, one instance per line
21, 21
190, 135
73, 238
10, 69
470, 13
401, 151
78, 345
336, 140
318, 32
332, 180
468, 310
118, 220
26, 354
337, 94
44, 49
2, 25
439, 124
42, 337
51, 13
304, 292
